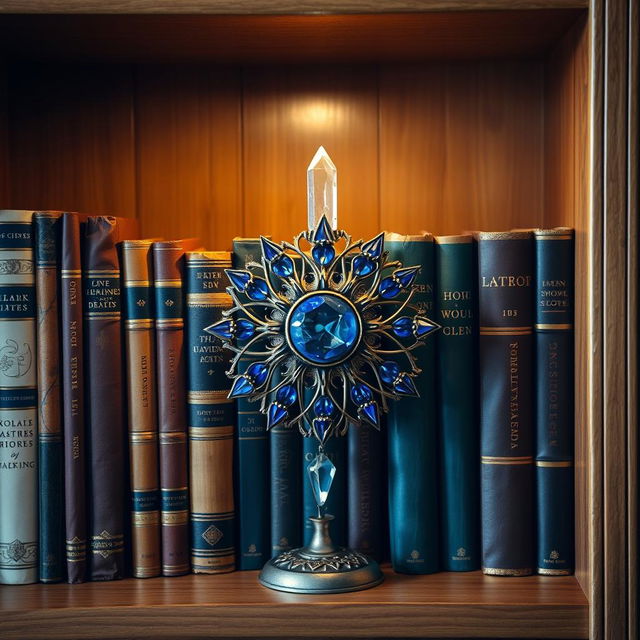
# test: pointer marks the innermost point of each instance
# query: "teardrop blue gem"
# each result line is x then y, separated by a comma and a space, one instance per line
270, 250
287, 395
374, 247
423, 327
244, 329
282, 266
370, 414
405, 386
406, 276
222, 329
403, 327
323, 254
257, 289
360, 394
321, 426
389, 371
259, 372
323, 407
239, 279
323, 232
242, 386
276, 415
363, 265
389, 288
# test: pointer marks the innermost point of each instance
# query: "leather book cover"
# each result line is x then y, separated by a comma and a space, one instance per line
211, 415
506, 352
18, 401
105, 397
72, 338
554, 302
412, 434
168, 268
141, 407
458, 422
46, 229
252, 455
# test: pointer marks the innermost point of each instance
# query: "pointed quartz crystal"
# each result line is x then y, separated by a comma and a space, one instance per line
322, 190
321, 473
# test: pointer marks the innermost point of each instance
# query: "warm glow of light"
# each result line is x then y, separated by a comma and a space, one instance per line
315, 113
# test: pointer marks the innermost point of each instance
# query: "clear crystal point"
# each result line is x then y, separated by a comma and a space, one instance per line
321, 473
322, 190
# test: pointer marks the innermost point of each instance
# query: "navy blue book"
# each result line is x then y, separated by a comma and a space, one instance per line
456, 303
252, 455
46, 229
554, 401
412, 427
506, 352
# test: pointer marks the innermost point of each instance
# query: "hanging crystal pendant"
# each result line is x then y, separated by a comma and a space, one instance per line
321, 473
322, 190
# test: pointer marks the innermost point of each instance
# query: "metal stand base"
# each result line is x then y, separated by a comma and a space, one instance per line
321, 567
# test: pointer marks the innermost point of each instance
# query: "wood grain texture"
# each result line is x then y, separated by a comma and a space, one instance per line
439, 605
71, 139
287, 115
188, 162
274, 6
320, 38
461, 147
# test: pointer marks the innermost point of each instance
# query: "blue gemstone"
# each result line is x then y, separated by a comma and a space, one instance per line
323, 328
423, 326
239, 279
389, 288
403, 327
374, 247
323, 253
362, 265
361, 394
405, 386
222, 329
406, 276
389, 371
242, 386
259, 372
257, 289
323, 232
287, 395
270, 250
282, 266
244, 329
276, 415
369, 412
323, 407
321, 426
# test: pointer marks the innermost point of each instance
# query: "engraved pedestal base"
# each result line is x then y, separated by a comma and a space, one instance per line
321, 567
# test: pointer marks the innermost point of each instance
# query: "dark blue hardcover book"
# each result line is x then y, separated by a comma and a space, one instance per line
211, 415
46, 228
412, 437
252, 455
506, 352
554, 401
456, 303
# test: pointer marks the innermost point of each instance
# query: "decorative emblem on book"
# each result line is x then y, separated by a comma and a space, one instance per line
415, 554
169, 302
106, 544
294, 561
554, 555
17, 552
15, 361
15, 266
461, 552
212, 535
141, 303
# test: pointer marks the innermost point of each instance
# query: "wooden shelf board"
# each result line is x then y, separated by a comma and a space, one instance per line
235, 605
289, 39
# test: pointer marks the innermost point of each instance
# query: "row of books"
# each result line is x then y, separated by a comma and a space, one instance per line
125, 456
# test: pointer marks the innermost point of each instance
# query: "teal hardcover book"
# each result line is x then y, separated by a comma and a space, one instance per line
456, 303
412, 424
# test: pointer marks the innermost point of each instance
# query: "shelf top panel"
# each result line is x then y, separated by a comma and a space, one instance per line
285, 39
439, 605
275, 7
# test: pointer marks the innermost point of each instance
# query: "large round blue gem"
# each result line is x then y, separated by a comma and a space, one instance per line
324, 328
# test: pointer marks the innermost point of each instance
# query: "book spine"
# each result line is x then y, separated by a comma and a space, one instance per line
554, 401
336, 505
172, 404
412, 426
18, 397
286, 501
105, 398
365, 470
141, 403
46, 229
456, 303
211, 416
505, 301
73, 399
252, 455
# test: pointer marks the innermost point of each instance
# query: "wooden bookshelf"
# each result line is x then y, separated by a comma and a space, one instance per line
199, 117
443, 605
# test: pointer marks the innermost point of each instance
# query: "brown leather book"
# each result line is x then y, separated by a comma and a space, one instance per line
141, 403
104, 396
168, 264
